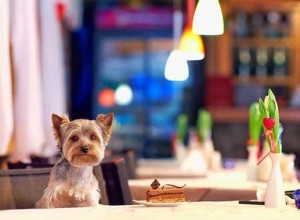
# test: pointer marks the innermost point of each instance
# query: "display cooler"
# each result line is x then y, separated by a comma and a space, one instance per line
130, 51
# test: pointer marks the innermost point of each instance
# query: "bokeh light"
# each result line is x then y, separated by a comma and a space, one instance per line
123, 95
106, 98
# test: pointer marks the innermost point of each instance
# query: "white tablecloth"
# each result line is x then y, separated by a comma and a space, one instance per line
148, 168
201, 189
218, 185
197, 210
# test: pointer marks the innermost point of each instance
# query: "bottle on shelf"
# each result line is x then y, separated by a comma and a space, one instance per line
279, 61
244, 62
257, 24
273, 25
262, 58
241, 24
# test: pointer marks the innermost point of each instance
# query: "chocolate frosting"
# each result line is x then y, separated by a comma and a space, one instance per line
155, 184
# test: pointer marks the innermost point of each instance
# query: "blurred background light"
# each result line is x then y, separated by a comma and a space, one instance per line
106, 98
123, 95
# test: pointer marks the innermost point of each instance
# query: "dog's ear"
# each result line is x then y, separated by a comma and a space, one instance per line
57, 121
105, 121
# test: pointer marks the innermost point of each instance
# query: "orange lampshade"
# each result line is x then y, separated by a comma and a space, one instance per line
191, 45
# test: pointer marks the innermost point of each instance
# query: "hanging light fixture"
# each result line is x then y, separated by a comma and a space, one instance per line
191, 44
176, 68
208, 18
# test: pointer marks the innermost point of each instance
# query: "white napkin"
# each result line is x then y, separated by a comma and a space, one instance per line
194, 162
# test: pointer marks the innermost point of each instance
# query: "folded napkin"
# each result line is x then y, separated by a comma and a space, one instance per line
194, 162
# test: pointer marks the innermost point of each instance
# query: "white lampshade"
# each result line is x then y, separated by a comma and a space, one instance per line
208, 18
176, 68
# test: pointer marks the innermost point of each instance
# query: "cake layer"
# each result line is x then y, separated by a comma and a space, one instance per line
165, 200
154, 192
165, 195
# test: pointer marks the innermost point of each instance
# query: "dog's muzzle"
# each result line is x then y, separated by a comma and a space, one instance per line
84, 149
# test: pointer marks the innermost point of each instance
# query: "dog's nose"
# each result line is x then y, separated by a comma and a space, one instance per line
84, 149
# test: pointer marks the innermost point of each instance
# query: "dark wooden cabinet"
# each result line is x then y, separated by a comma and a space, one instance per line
257, 54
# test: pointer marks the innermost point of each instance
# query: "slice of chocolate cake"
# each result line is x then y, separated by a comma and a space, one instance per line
167, 194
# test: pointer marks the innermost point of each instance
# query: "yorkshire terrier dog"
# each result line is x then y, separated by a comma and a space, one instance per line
82, 143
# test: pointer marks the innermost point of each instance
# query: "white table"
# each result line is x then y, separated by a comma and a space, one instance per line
148, 168
197, 210
170, 168
218, 185
201, 189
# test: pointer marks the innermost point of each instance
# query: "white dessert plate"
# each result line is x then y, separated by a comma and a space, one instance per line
155, 204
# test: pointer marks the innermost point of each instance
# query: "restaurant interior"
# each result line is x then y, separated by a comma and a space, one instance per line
201, 96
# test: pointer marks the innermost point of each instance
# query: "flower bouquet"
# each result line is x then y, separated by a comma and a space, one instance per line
204, 124
270, 114
274, 197
255, 126
204, 128
195, 160
182, 125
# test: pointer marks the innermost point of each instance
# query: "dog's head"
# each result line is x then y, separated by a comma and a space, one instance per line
82, 141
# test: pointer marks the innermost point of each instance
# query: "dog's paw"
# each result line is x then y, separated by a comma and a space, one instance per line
78, 195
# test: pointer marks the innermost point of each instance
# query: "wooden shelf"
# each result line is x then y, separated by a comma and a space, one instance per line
229, 115
263, 42
261, 80
262, 5
221, 55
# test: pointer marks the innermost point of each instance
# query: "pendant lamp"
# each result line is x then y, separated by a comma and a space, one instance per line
208, 18
191, 44
176, 68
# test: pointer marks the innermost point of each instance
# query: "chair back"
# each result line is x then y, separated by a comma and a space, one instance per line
99, 176
3, 162
115, 177
22, 188
130, 161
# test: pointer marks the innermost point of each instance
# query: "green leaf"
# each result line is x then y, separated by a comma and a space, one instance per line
272, 104
204, 123
274, 113
255, 122
267, 103
269, 109
262, 108
182, 124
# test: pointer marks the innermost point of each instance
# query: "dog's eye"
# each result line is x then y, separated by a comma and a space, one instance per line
93, 137
74, 138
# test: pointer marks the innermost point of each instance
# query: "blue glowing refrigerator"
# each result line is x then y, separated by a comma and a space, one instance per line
135, 55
